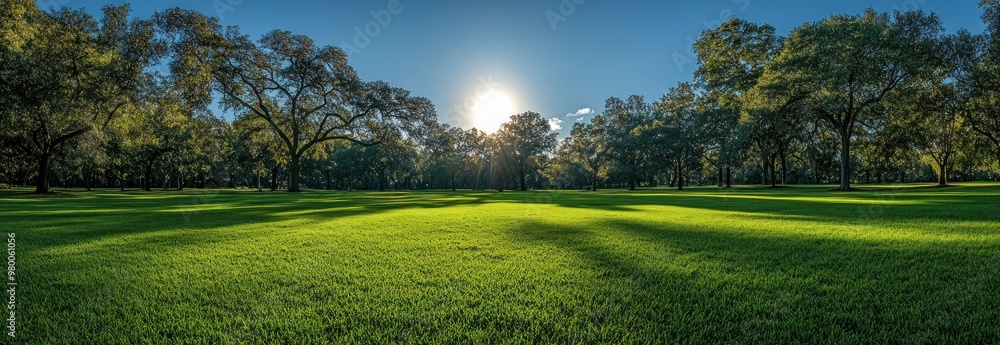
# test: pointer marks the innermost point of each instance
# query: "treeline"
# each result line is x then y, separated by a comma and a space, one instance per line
126, 103
873, 97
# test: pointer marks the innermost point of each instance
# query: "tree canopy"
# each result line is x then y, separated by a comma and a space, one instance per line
121, 101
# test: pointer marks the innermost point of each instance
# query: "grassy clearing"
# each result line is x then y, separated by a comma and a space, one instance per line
891, 264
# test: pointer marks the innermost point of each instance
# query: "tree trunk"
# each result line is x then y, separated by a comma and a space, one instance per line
89, 181
274, 178
42, 182
524, 178
764, 164
680, 178
721, 178
816, 173
784, 169
327, 179
680, 174
148, 178
729, 178
943, 174
593, 181
845, 161
382, 180
293, 174
774, 180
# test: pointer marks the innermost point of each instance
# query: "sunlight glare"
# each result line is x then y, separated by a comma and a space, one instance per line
492, 110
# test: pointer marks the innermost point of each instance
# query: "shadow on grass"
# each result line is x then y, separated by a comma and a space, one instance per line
714, 285
704, 283
131, 213
97, 216
910, 204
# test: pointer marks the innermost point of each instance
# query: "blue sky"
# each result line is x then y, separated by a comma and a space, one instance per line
445, 50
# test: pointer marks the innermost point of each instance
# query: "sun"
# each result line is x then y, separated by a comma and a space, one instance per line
491, 110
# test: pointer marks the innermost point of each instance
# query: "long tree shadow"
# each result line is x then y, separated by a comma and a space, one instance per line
713, 285
94, 216
958, 204
691, 283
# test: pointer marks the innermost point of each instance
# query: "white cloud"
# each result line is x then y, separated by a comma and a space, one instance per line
555, 123
581, 112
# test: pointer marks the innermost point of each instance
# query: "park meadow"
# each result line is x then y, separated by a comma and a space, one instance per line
170, 175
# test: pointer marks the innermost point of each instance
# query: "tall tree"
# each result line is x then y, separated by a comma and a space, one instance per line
307, 94
617, 126
523, 140
479, 154
449, 150
160, 127
673, 135
945, 101
844, 66
731, 59
776, 123
983, 66
943, 129
65, 74
587, 149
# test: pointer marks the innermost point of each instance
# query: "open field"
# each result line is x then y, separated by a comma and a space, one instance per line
900, 263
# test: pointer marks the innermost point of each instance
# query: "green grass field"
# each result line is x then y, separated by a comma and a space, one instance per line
896, 264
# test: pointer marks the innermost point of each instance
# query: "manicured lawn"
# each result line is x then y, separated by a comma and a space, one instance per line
893, 264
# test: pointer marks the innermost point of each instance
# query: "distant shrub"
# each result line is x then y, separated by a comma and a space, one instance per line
4, 186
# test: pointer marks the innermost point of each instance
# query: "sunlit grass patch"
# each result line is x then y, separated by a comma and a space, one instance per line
899, 264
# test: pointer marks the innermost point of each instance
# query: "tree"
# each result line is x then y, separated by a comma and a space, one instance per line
393, 161
844, 66
564, 171
943, 129
479, 146
946, 103
86, 158
259, 149
731, 60
617, 126
673, 134
159, 127
522, 141
775, 123
307, 94
889, 142
450, 151
64, 74
982, 63
586, 148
